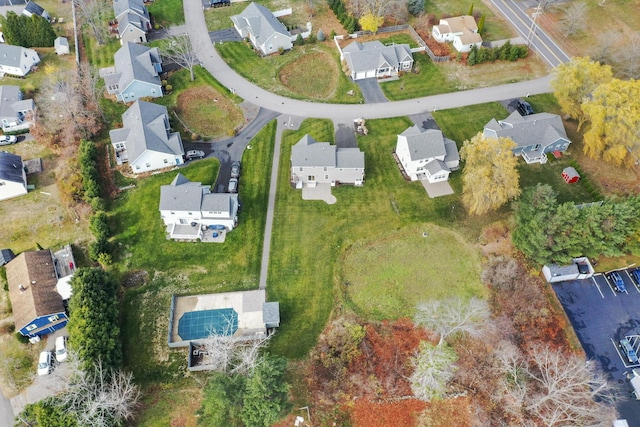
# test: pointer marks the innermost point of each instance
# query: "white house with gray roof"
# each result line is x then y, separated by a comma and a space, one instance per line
462, 31
133, 19
61, 46
314, 163
146, 140
17, 60
535, 135
189, 208
262, 28
136, 73
15, 113
427, 154
374, 59
579, 269
13, 178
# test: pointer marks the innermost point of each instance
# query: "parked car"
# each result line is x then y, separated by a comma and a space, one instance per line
8, 139
233, 185
524, 108
219, 3
635, 275
618, 283
61, 349
235, 169
44, 363
628, 350
194, 154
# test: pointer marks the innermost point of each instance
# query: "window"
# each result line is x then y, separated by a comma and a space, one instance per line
165, 161
147, 165
31, 327
325, 168
190, 214
2, 183
53, 318
326, 177
137, 167
183, 221
311, 178
173, 213
300, 169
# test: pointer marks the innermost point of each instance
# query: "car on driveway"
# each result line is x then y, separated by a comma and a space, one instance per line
44, 363
628, 350
235, 169
8, 139
635, 275
617, 281
233, 185
194, 154
524, 108
61, 349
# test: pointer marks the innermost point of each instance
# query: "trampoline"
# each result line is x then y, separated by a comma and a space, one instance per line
201, 324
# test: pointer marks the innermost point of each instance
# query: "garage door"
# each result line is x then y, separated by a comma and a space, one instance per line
361, 75
371, 73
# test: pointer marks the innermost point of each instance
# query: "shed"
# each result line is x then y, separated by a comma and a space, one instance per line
570, 175
61, 46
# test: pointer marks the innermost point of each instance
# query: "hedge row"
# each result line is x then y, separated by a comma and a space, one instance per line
505, 52
346, 18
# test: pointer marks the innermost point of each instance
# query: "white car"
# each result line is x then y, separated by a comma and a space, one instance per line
44, 363
8, 139
61, 349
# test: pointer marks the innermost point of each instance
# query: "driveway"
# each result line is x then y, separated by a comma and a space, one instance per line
424, 121
226, 35
371, 91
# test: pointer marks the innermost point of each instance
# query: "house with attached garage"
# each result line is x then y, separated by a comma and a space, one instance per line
37, 306
136, 73
535, 135
314, 163
145, 140
133, 19
462, 31
188, 209
17, 60
32, 8
13, 178
16, 113
267, 34
426, 154
374, 59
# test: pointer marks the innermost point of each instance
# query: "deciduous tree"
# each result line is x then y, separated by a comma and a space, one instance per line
453, 315
574, 19
369, 22
94, 13
180, 51
490, 177
434, 367
265, 392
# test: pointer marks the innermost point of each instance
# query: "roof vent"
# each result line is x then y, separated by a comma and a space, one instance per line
33, 282
22, 288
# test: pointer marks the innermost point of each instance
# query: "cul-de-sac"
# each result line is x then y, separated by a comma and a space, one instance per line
319, 213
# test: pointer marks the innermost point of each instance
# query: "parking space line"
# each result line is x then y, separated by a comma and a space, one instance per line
597, 286
624, 361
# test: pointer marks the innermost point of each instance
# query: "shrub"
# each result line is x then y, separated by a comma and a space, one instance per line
416, 7
320, 36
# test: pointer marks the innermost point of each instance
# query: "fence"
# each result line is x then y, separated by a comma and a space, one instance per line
423, 45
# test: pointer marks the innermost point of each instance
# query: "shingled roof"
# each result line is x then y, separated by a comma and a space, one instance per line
373, 55
11, 167
310, 153
526, 131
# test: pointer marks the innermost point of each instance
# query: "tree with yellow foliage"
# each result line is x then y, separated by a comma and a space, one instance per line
575, 81
490, 178
613, 111
370, 22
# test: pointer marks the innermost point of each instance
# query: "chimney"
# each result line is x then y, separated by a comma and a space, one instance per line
22, 288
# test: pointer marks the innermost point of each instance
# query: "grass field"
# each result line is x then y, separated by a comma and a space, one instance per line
208, 113
313, 76
463, 123
100, 56
166, 13
426, 79
385, 276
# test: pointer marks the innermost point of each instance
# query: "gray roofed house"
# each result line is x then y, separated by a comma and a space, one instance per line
461, 30
32, 8
6, 255
61, 46
15, 113
17, 60
374, 59
189, 209
136, 73
427, 154
145, 141
13, 178
535, 135
133, 19
264, 30
315, 163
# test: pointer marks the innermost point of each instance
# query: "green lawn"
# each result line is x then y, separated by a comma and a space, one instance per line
551, 173
426, 79
100, 56
401, 38
166, 13
463, 123
219, 18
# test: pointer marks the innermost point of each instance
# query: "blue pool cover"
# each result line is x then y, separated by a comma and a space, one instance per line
201, 324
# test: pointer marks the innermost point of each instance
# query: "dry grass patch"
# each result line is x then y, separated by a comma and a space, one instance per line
208, 113
314, 75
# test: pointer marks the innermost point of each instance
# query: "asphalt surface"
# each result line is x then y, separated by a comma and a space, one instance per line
371, 91
601, 316
6, 413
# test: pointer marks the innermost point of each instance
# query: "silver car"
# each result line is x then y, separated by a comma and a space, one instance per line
235, 169
233, 185
8, 139
194, 154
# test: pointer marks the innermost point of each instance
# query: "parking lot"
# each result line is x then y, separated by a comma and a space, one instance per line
601, 316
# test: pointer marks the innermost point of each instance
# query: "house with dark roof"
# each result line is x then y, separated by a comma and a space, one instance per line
6, 255
462, 31
314, 163
374, 59
145, 141
535, 135
579, 269
427, 154
37, 307
133, 19
17, 60
32, 8
266, 33
188, 209
61, 46
13, 178
136, 73
16, 113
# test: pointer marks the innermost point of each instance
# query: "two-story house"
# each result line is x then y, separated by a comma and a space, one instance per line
133, 19
427, 154
262, 28
373, 59
16, 113
462, 31
17, 60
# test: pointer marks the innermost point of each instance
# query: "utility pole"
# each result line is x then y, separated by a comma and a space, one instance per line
537, 12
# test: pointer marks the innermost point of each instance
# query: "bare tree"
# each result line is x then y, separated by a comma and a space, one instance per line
433, 368
453, 315
94, 13
603, 49
180, 51
575, 18
628, 57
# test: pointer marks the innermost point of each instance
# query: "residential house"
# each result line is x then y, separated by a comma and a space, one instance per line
262, 28
32, 8
37, 307
136, 73
189, 208
146, 140
427, 154
373, 59
15, 113
579, 269
314, 163
535, 135
13, 178
133, 19
61, 46
17, 60
461, 30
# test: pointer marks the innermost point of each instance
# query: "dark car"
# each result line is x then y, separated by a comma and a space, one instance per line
524, 108
618, 283
635, 275
235, 169
219, 3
